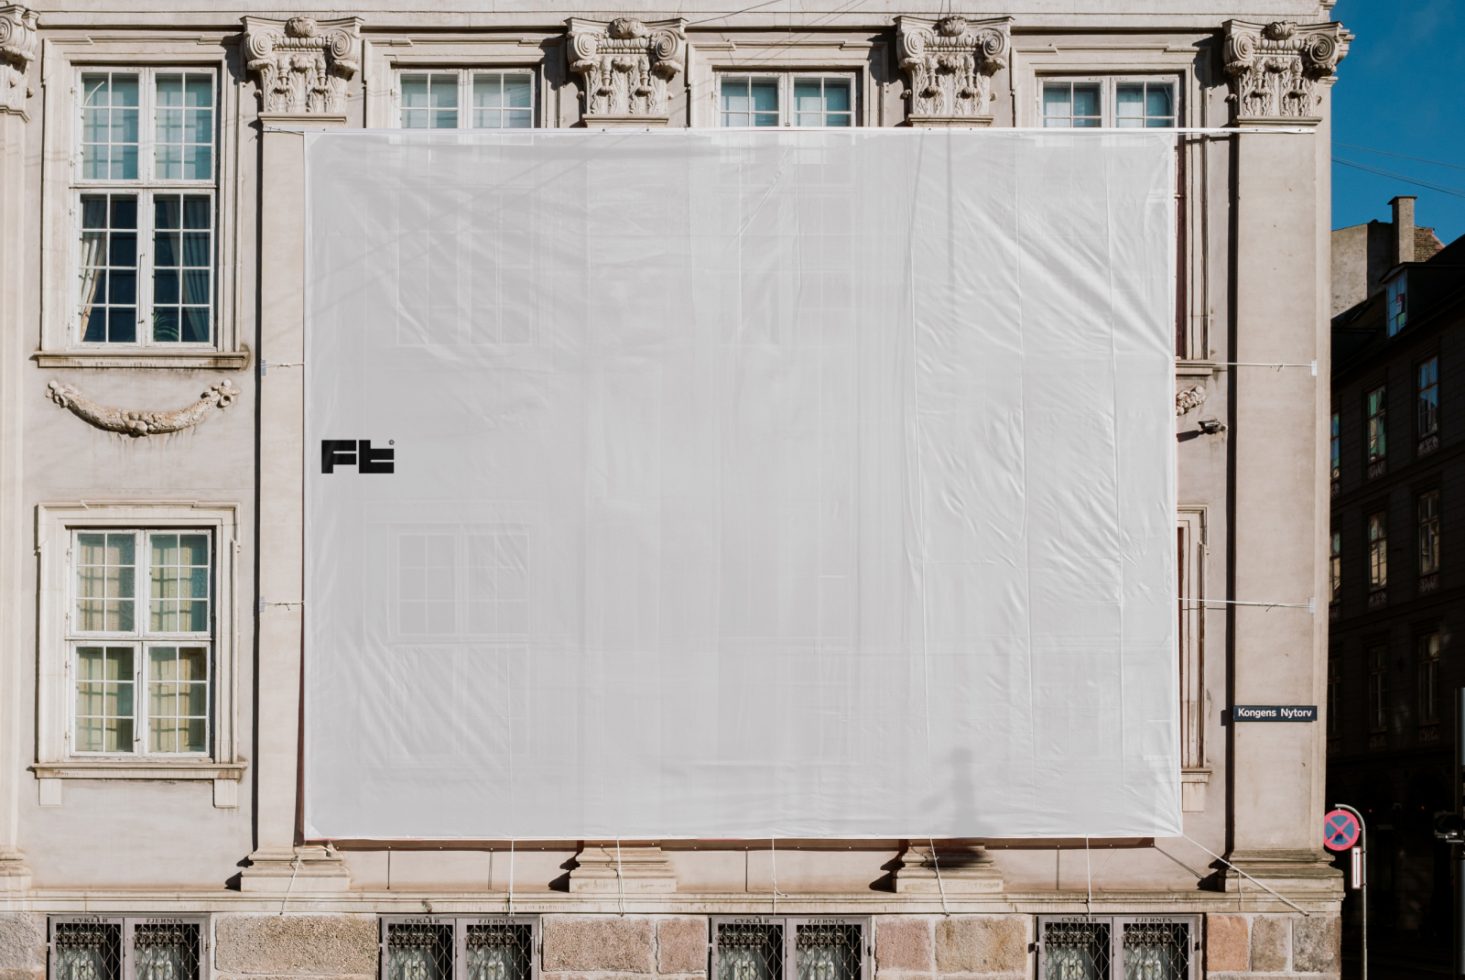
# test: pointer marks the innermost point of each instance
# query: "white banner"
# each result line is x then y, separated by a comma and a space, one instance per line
732, 484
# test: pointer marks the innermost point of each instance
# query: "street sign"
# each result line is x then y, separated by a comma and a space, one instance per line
1355, 865
1340, 830
1274, 712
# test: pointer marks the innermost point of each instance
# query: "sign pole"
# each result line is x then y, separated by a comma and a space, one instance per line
1363, 883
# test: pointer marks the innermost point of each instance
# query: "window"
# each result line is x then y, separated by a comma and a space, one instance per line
1335, 567
1126, 103
1398, 305
1428, 509
1100, 947
1427, 404
1375, 411
117, 948
1429, 678
1190, 563
780, 948
136, 645
466, 100
140, 639
1378, 552
144, 184
458, 948
1335, 449
1378, 688
787, 99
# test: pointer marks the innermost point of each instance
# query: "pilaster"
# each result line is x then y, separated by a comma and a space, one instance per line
606, 869
19, 46
951, 63
626, 68
302, 68
948, 868
1279, 76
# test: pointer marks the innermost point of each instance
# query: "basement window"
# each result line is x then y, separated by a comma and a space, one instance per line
1103, 946
785, 948
125, 948
435, 947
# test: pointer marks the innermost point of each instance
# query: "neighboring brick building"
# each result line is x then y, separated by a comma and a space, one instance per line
151, 313
1397, 588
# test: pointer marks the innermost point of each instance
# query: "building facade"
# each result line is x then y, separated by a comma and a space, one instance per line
1395, 598
151, 248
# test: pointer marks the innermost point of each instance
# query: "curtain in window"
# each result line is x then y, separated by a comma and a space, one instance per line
93, 245
161, 963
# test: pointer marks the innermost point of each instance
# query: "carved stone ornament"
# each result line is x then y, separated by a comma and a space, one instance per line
1278, 71
1189, 398
303, 64
133, 423
19, 46
626, 66
951, 62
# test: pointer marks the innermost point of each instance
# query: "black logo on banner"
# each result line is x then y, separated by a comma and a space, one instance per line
358, 453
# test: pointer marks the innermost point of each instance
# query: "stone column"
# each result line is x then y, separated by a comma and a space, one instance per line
1279, 75
951, 63
626, 69
302, 67
19, 46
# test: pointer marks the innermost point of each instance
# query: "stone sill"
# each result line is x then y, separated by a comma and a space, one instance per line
187, 360
1185, 368
225, 776
135, 769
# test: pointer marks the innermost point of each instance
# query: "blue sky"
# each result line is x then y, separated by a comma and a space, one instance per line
1399, 91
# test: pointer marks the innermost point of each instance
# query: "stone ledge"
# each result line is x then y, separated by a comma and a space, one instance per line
187, 360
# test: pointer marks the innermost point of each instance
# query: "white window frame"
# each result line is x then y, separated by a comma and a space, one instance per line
1109, 94
790, 924
464, 79
140, 641
786, 80
127, 926
68, 56
1428, 533
145, 188
460, 924
1117, 924
56, 525
1428, 439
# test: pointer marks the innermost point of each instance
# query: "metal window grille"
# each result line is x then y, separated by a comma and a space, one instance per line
124, 948
1107, 947
787, 948
459, 948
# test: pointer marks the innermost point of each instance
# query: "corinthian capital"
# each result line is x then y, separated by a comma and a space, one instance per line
951, 62
626, 66
19, 45
303, 64
1278, 71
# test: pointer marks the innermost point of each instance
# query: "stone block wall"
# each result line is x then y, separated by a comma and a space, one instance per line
1243, 947
601, 947
22, 946
338, 947
908, 947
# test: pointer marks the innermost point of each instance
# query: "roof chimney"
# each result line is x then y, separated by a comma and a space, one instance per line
1403, 228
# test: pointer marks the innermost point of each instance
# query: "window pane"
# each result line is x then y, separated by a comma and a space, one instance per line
166, 951
109, 125
430, 101
827, 951
105, 583
88, 951
177, 699
1156, 951
499, 951
182, 268
104, 702
107, 267
419, 951
517, 91
1075, 951
178, 589
749, 951
1086, 100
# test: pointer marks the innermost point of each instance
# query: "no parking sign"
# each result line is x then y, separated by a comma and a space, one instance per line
1340, 830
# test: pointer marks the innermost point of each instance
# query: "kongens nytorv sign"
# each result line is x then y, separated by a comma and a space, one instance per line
1274, 712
